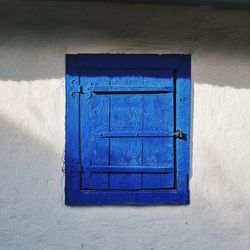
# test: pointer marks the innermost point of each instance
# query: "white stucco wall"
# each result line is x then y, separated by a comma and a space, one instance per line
34, 38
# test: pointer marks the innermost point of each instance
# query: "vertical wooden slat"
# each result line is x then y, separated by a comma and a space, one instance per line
72, 146
126, 114
94, 118
158, 115
183, 92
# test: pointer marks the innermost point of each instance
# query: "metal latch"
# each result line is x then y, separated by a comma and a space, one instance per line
179, 134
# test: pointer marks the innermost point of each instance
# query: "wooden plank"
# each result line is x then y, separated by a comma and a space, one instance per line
129, 89
132, 197
158, 180
158, 115
72, 147
126, 114
183, 102
94, 117
130, 169
121, 134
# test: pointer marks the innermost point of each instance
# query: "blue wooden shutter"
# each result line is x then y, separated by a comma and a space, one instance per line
123, 122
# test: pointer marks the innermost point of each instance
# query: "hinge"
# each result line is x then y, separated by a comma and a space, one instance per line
76, 89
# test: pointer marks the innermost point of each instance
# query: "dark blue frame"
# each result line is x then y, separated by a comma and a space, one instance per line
181, 65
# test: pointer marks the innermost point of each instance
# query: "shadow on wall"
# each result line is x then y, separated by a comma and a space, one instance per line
31, 207
33, 47
30, 169
35, 165
33, 43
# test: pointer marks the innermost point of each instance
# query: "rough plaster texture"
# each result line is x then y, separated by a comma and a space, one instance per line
34, 38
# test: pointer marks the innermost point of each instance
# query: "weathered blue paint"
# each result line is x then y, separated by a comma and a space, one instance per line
137, 134
122, 114
125, 89
131, 169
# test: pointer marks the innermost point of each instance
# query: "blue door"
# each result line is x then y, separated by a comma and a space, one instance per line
124, 114
127, 121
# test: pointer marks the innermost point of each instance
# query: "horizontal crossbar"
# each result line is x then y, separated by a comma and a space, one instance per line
130, 169
120, 134
127, 89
